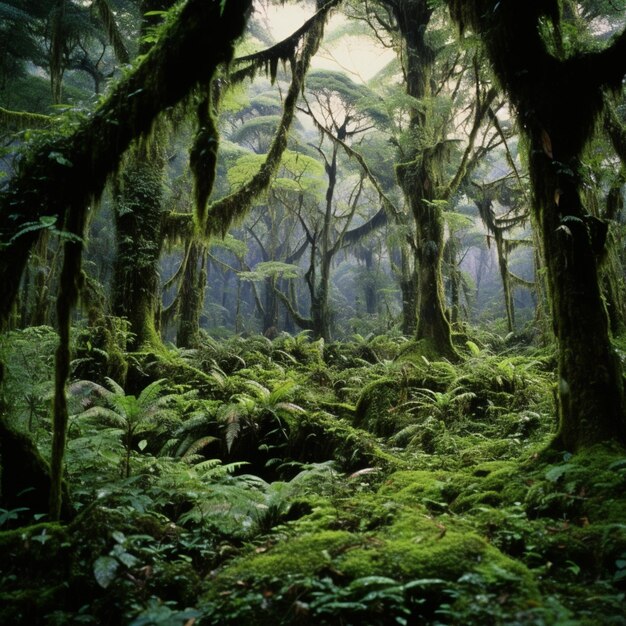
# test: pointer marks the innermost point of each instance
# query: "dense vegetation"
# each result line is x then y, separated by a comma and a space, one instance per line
293, 338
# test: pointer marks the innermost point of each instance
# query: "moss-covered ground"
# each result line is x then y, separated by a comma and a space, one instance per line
292, 482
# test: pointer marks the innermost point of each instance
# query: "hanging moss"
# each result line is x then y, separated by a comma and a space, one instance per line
72, 170
283, 51
223, 213
21, 120
203, 156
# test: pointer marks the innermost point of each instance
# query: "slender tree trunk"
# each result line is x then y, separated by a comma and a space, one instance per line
369, 287
454, 278
408, 289
192, 290
503, 264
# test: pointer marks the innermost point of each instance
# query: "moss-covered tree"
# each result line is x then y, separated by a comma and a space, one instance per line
423, 158
59, 177
558, 95
139, 219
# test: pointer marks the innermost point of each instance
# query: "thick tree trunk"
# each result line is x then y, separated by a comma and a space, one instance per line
420, 177
433, 327
558, 102
591, 398
139, 220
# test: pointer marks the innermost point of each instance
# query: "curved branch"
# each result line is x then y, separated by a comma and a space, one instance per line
72, 171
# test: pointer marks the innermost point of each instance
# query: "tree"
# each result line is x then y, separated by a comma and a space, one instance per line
558, 95
338, 108
424, 151
139, 217
59, 178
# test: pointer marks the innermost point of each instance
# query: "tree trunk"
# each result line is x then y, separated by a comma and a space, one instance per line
558, 101
192, 290
591, 399
420, 177
433, 327
408, 289
503, 264
139, 220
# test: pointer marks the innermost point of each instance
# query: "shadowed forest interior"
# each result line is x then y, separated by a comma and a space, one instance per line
312, 312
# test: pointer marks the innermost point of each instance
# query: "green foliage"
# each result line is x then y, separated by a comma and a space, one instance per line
263, 508
298, 172
28, 358
271, 269
133, 417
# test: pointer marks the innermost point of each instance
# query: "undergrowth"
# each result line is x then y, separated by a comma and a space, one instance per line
290, 481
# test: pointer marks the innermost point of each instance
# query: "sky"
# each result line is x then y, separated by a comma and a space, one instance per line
361, 57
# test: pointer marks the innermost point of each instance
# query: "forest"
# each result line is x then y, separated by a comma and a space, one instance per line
312, 312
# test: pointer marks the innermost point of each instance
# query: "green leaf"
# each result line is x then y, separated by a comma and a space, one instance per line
59, 158
473, 348
104, 570
118, 536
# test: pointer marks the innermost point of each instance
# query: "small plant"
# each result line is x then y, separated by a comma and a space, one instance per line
439, 404
248, 409
131, 415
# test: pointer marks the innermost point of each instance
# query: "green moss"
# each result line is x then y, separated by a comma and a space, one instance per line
416, 486
587, 485
307, 555
320, 436
428, 552
409, 545
378, 408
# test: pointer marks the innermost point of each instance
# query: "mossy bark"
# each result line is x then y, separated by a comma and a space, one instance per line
25, 475
192, 291
408, 288
420, 176
558, 101
591, 398
139, 226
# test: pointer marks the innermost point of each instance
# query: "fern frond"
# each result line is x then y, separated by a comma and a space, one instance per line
103, 415
233, 428
281, 390
82, 389
196, 446
150, 393
289, 407
261, 391
115, 387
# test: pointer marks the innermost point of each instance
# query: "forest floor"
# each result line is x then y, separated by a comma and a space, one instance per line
295, 482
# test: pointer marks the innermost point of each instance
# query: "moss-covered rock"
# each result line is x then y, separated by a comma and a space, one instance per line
320, 436
379, 407
35, 569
